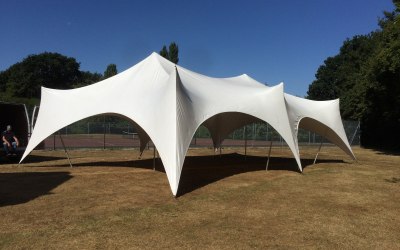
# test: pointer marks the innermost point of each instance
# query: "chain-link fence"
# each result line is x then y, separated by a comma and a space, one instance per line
114, 132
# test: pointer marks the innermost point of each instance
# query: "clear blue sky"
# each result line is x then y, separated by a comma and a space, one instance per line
270, 40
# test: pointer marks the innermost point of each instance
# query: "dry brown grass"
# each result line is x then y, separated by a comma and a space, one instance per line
112, 200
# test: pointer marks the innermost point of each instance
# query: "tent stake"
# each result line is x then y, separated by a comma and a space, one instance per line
269, 154
65, 150
316, 156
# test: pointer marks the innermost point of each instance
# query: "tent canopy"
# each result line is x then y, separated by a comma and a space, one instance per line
167, 104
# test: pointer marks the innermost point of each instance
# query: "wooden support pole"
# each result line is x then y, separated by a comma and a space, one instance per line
140, 155
319, 149
269, 154
65, 150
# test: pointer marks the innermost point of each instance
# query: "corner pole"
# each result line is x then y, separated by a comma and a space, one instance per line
269, 154
65, 150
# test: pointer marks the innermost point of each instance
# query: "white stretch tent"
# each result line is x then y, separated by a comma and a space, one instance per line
167, 103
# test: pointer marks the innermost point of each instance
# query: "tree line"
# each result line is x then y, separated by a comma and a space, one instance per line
365, 75
22, 81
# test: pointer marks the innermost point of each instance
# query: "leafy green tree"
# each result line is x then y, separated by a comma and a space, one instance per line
172, 54
164, 52
381, 119
343, 75
3, 80
87, 78
110, 71
365, 75
324, 88
51, 70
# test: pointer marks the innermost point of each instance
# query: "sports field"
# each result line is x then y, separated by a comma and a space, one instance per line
111, 199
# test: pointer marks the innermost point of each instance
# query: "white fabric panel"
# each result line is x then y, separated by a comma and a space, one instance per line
168, 103
219, 128
322, 117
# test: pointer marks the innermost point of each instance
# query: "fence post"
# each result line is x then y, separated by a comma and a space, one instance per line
254, 132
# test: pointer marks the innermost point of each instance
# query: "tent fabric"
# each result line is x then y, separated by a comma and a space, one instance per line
167, 104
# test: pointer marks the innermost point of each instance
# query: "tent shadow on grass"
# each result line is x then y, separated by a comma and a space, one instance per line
387, 152
31, 159
40, 158
199, 171
18, 188
145, 164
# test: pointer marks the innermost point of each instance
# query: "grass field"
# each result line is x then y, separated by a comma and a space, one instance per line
110, 199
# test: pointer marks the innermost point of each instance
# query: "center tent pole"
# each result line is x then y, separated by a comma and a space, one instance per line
65, 150
269, 154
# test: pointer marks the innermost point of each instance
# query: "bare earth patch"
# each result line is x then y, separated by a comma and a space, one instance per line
111, 199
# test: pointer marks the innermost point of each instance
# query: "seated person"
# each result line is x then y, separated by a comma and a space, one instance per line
10, 141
